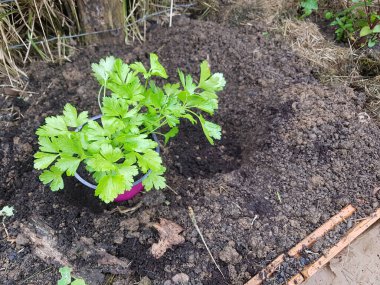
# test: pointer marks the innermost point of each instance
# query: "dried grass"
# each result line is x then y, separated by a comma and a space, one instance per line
359, 69
26, 27
306, 39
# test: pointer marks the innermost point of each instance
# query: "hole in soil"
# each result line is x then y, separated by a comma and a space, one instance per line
369, 66
191, 155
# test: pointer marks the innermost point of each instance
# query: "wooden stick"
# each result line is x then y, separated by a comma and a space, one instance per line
343, 243
322, 230
296, 280
267, 271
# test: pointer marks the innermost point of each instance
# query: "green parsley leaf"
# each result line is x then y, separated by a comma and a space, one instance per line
128, 172
103, 69
54, 177
71, 116
110, 153
155, 180
156, 68
211, 130
170, 134
46, 145
43, 159
205, 72
69, 164
99, 163
215, 83
110, 187
54, 126
65, 276
149, 160
139, 67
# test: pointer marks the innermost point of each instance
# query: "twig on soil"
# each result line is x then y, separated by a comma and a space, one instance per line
171, 189
171, 12
35, 274
254, 219
125, 210
194, 221
279, 197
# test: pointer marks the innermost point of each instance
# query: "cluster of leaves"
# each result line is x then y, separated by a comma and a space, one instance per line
308, 7
66, 278
120, 146
7, 211
359, 23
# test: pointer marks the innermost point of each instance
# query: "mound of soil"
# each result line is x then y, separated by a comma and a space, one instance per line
293, 153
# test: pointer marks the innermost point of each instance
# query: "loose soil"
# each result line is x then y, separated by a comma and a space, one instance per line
293, 153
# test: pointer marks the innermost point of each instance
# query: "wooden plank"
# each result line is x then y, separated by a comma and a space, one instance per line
322, 230
342, 244
296, 279
267, 271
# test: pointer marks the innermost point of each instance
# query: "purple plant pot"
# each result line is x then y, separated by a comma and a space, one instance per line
137, 185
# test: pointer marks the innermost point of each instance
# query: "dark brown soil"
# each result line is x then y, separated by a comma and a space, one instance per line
293, 153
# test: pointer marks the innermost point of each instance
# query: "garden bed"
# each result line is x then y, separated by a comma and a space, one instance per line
293, 154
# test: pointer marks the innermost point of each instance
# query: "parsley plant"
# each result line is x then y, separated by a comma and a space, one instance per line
120, 146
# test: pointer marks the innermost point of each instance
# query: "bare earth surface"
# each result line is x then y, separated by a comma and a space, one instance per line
293, 153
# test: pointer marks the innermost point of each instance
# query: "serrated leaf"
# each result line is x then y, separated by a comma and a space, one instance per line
171, 89
136, 143
154, 96
128, 172
172, 120
215, 83
46, 145
110, 187
103, 69
54, 177
309, 6
205, 72
43, 159
204, 104
54, 126
69, 164
170, 134
99, 163
139, 67
69, 145
112, 106
155, 180
149, 160
110, 153
65, 276
7, 211
376, 29
112, 124
156, 68
71, 116
190, 118
211, 130
78, 282
121, 70
365, 31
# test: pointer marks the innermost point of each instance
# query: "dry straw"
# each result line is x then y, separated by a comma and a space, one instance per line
49, 29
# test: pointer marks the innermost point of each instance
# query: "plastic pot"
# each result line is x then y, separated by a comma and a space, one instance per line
137, 185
